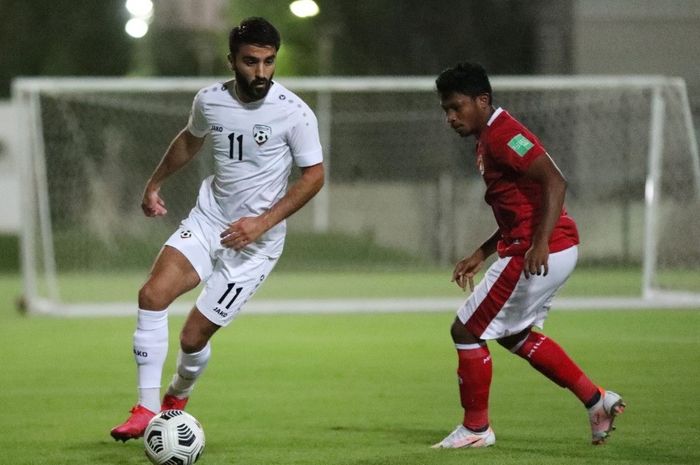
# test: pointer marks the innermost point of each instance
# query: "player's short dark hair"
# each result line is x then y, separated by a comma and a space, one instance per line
464, 78
256, 31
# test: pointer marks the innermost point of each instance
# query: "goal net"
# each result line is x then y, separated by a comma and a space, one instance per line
398, 177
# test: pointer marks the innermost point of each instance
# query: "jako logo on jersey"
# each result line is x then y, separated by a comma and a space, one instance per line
220, 312
186, 234
216, 128
480, 164
140, 353
261, 133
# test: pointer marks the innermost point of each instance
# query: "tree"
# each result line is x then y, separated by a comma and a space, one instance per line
412, 37
60, 37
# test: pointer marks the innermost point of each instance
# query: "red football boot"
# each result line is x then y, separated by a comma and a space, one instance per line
134, 426
171, 402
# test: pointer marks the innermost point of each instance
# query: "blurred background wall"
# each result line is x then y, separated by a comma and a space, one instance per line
382, 37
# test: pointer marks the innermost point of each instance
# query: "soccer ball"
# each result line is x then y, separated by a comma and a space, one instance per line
173, 437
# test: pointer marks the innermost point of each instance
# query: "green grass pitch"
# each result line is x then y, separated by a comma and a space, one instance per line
364, 389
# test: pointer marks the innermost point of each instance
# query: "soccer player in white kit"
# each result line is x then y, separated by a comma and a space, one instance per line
536, 243
234, 235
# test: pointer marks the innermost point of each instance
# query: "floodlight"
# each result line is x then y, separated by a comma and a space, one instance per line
304, 8
136, 28
140, 8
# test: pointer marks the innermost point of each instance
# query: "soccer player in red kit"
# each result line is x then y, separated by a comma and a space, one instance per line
536, 242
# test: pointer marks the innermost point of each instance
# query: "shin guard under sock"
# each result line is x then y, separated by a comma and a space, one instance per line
474, 372
189, 368
547, 357
150, 350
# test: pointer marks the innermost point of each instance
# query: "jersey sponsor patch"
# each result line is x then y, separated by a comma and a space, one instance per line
520, 144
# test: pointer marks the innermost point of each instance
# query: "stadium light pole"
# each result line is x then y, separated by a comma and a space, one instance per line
140, 19
321, 202
309, 9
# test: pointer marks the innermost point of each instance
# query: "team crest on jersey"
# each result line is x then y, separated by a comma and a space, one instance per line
261, 133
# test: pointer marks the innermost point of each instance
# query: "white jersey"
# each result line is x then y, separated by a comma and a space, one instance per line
254, 145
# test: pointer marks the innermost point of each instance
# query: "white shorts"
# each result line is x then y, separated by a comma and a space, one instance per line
230, 278
505, 303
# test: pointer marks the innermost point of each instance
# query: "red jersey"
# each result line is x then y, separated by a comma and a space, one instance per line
504, 151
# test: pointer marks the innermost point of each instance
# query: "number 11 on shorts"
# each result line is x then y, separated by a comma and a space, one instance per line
228, 291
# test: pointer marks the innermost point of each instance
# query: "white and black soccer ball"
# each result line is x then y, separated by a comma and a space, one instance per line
173, 437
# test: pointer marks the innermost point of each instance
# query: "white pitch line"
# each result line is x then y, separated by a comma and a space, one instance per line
383, 305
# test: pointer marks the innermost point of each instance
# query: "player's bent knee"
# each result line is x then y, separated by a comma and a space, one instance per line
191, 343
514, 341
154, 297
460, 334
192, 340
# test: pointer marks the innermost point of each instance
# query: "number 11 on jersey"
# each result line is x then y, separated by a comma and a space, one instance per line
231, 147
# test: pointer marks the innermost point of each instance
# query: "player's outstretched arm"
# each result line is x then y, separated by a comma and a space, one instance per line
245, 230
544, 171
182, 149
303, 190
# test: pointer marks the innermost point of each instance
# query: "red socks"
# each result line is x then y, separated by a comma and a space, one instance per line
547, 357
474, 371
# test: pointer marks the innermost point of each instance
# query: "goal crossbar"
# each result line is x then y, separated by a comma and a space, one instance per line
36, 198
343, 83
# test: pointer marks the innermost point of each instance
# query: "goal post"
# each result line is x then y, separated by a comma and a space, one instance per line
653, 190
397, 175
37, 253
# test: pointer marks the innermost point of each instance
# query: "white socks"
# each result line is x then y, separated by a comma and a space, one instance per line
189, 368
150, 351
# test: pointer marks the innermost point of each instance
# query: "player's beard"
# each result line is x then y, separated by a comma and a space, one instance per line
255, 89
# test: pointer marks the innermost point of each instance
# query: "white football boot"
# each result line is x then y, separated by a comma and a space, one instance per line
463, 437
602, 415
